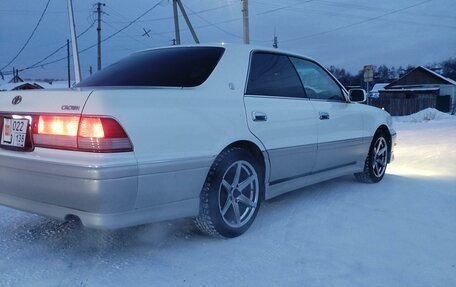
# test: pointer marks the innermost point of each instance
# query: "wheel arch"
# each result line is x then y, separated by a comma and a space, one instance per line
207, 220
260, 156
385, 130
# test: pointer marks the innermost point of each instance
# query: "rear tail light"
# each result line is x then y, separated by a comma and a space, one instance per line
86, 133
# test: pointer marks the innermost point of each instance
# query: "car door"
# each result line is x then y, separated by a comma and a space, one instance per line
281, 117
340, 123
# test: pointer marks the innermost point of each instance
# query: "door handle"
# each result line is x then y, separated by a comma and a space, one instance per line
259, 117
324, 116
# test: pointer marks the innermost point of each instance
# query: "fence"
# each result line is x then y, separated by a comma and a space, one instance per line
402, 106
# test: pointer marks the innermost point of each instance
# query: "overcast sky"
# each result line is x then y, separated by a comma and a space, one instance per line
344, 33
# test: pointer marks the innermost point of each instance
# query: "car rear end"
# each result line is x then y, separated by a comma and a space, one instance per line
59, 162
130, 145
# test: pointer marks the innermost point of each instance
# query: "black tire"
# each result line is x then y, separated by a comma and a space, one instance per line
230, 199
376, 161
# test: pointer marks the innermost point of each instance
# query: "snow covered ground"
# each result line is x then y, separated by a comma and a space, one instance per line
399, 232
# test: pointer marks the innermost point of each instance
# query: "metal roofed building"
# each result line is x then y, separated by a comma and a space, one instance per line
419, 89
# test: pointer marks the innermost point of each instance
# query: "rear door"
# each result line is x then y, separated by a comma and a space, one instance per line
281, 116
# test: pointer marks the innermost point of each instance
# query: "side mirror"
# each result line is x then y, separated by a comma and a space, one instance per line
357, 95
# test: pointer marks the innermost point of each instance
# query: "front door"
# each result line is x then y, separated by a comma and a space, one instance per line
340, 123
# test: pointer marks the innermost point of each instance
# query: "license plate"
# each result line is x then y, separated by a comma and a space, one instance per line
14, 132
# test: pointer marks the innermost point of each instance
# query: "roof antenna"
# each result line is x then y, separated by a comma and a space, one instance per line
275, 44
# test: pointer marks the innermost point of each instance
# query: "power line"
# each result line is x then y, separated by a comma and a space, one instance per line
105, 39
33, 12
29, 38
212, 24
171, 17
371, 8
41, 64
138, 30
357, 23
283, 8
37, 64
121, 16
351, 7
61, 47
201, 26
126, 34
132, 22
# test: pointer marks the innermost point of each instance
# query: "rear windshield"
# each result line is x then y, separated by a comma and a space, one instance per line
169, 67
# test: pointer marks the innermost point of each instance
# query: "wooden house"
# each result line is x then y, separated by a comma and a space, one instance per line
419, 89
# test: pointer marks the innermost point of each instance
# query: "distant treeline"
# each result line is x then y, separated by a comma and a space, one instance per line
385, 74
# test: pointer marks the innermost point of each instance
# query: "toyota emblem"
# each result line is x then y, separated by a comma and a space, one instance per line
16, 100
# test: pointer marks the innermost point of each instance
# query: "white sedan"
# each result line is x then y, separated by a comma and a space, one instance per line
204, 131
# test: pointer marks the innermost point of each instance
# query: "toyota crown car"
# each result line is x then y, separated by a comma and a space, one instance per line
202, 131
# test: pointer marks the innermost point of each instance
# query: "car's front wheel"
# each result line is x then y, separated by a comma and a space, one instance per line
231, 195
376, 161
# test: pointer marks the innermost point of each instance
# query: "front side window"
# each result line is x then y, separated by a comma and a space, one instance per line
273, 75
318, 84
169, 67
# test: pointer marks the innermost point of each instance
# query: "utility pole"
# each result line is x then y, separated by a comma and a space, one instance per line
187, 20
245, 18
99, 33
74, 43
178, 4
68, 63
176, 23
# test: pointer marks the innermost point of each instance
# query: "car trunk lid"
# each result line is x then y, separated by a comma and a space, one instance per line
43, 101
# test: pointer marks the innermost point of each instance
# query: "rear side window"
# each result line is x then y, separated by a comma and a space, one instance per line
169, 67
273, 75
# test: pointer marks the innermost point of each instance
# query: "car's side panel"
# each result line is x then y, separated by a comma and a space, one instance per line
341, 139
375, 118
170, 181
289, 133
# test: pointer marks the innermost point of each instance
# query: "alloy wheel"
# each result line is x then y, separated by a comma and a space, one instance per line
238, 194
380, 156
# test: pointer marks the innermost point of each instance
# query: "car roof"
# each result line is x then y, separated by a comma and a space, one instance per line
235, 48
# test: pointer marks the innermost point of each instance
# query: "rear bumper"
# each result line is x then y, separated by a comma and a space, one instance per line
96, 183
132, 217
100, 189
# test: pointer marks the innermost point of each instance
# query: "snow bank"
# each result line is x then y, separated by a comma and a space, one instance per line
429, 114
399, 232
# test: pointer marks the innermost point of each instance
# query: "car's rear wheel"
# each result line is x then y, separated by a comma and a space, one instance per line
231, 195
376, 161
